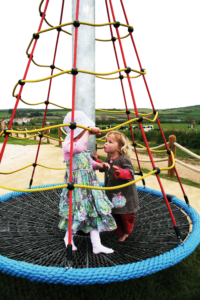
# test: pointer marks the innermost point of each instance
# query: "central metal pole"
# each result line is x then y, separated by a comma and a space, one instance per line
85, 84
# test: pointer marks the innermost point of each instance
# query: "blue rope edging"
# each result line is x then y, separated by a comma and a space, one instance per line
109, 274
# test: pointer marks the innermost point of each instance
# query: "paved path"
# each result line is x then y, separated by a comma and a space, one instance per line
17, 156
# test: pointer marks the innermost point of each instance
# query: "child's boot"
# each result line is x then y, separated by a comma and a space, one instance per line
66, 241
96, 243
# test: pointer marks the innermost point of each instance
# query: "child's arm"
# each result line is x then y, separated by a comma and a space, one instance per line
122, 173
78, 146
81, 144
102, 166
86, 135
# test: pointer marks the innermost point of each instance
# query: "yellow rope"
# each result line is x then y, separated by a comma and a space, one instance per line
81, 71
51, 167
112, 78
84, 23
151, 150
23, 138
100, 40
7, 173
80, 126
15, 171
45, 66
97, 109
48, 136
92, 187
122, 111
109, 40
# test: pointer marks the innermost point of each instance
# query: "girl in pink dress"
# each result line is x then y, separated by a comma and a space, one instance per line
91, 209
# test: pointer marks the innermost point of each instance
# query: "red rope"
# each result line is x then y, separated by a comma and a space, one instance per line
136, 111
150, 98
72, 132
49, 90
21, 88
122, 86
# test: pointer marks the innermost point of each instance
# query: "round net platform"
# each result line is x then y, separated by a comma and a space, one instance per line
30, 239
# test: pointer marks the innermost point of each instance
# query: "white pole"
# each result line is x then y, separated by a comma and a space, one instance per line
85, 84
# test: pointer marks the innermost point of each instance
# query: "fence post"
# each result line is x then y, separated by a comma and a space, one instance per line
25, 134
172, 139
17, 134
3, 126
48, 133
35, 138
59, 136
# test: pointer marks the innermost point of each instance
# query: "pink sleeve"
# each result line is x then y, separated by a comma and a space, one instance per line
124, 174
94, 163
78, 146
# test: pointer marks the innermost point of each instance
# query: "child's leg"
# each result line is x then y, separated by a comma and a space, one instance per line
120, 227
96, 243
128, 221
66, 241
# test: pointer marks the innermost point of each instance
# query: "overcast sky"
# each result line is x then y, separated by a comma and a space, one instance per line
166, 33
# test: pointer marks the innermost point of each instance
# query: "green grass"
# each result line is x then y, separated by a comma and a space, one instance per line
180, 282
21, 142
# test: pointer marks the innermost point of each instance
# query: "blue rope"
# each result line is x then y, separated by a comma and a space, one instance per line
108, 274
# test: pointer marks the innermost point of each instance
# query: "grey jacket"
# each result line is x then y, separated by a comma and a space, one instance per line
129, 192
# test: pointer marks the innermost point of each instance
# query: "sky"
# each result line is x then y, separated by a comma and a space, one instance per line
167, 37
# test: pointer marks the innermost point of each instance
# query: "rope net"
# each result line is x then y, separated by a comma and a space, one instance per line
74, 72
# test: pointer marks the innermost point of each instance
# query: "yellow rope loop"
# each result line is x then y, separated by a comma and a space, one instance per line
40, 6
122, 111
23, 138
83, 23
67, 108
68, 124
13, 92
154, 119
7, 173
153, 172
173, 164
79, 186
23, 168
80, 126
50, 167
51, 138
69, 72
45, 66
101, 40
101, 140
89, 187
29, 45
109, 40
113, 78
159, 151
32, 103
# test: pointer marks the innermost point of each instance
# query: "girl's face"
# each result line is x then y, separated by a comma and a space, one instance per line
111, 145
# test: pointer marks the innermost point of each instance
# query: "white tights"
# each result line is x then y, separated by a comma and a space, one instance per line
95, 240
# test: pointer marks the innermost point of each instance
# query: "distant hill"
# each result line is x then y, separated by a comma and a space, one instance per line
170, 113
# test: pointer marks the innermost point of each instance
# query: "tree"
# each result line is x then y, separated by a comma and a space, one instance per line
10, 111
189, 119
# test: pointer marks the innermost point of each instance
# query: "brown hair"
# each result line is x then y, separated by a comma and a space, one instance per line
123, 142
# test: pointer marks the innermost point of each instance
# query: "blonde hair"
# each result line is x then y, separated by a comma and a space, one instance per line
123, 142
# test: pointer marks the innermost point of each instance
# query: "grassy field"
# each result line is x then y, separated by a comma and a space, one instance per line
181, 112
